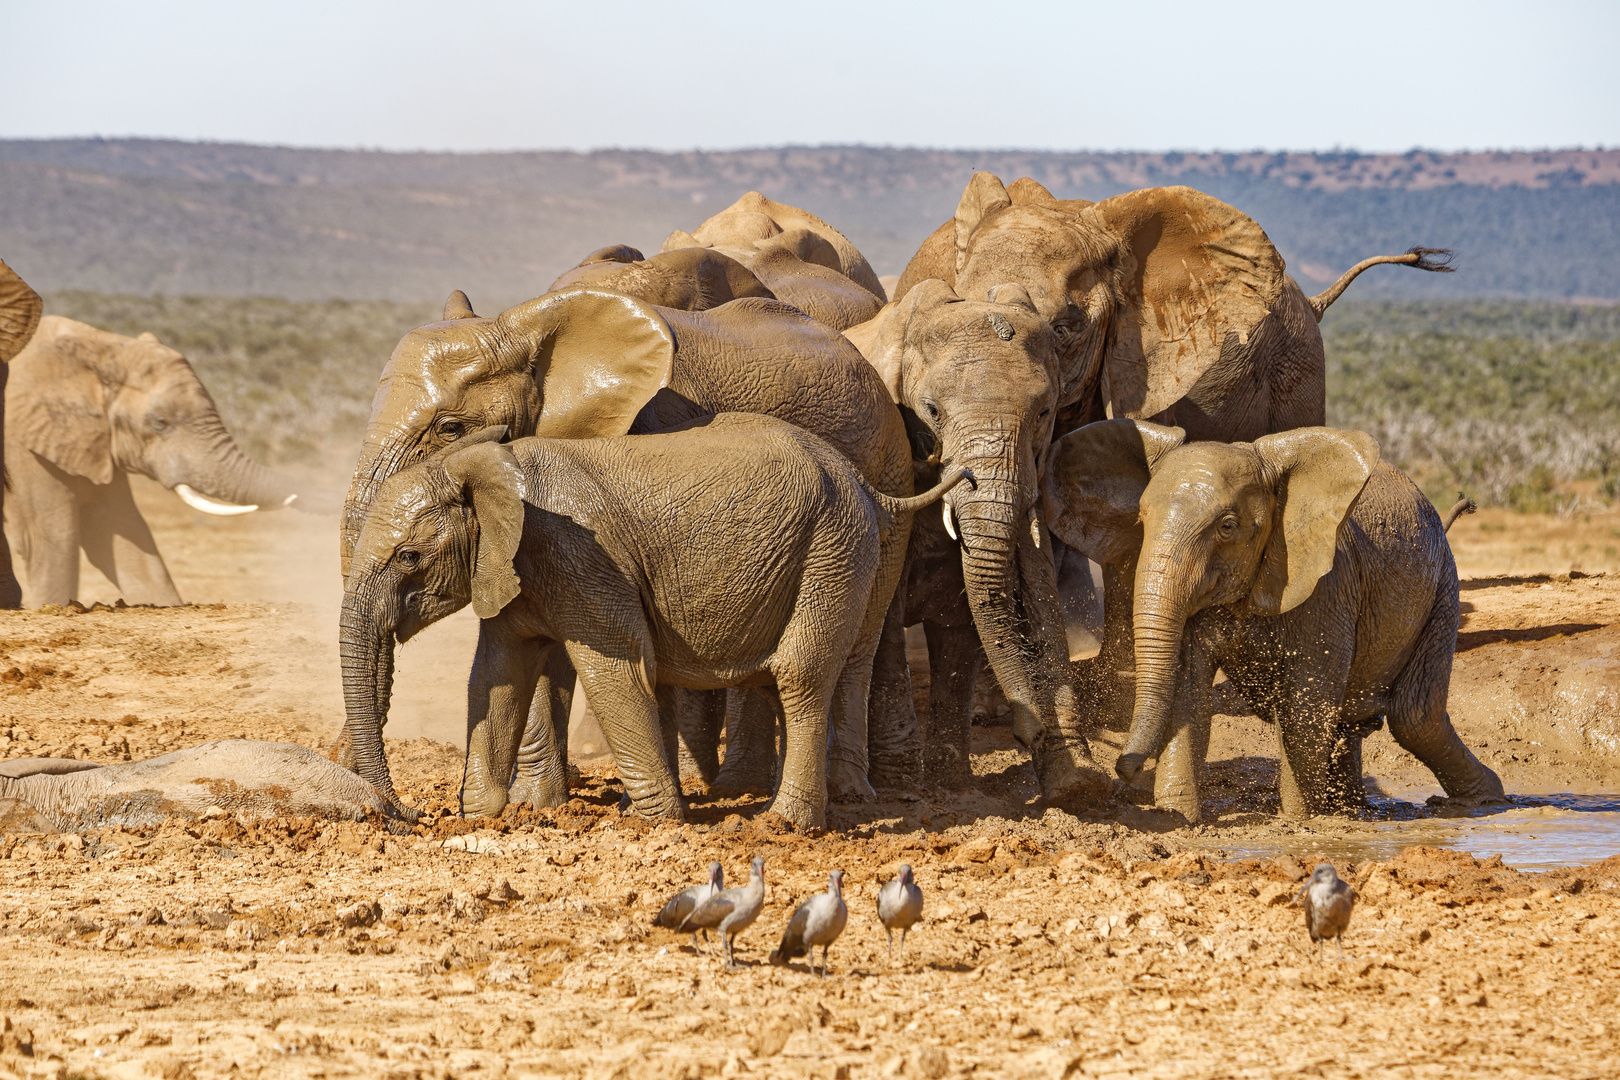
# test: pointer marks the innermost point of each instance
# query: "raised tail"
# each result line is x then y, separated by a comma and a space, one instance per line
1463, 505
1434, 260
893, 505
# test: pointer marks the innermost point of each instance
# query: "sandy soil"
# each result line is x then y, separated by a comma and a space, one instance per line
1052, 945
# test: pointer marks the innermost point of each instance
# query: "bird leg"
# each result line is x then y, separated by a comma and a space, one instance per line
891, 944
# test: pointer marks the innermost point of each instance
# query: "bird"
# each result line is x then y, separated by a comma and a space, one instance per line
679, 906
818, 921
1327, 899
731, 911
900, 905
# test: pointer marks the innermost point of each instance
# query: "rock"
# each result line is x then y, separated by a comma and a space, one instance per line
979, 850
503, 893
506, 969
933, 1062
1274, 893
1289, 867
365, 913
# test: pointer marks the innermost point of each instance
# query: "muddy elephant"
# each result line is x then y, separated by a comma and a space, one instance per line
583, 363
690, 279
238, 776
1165, 303
737, 550
20, 311
87, 408
1316, 576
976, 381
803, 260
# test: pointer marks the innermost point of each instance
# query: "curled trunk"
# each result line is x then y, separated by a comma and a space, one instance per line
1160, 622
366, 649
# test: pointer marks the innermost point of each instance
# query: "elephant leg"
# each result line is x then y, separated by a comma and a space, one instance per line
10, 589
894, 738
954, 659
1107, 682
750, 764
806, 697
541, 777
1177, 777
1308, 727
619, 691
1289, 792
699, 716
42, 526
1420, 723
500, 691
118, 542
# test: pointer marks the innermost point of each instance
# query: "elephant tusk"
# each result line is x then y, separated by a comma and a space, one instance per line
288, 501
199, 501
950, 524
1035, 529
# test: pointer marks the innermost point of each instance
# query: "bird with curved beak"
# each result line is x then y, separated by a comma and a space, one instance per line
900, 905
818, 921
683, 903
731, 911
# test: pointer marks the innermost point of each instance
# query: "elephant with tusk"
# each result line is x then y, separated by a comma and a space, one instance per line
239, 776
87, 408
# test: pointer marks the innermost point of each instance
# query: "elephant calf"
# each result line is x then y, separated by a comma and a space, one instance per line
1317, 577
738, 550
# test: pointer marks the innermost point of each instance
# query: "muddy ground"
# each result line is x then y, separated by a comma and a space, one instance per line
1052, 945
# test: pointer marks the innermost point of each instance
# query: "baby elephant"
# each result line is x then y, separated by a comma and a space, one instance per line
736, 551
1317, 577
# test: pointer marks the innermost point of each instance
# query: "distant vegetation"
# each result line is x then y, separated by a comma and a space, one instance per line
1511, 401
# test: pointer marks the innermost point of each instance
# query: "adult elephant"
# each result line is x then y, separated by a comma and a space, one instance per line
691, 278
20, 311
803, 260
1164, 303
89, 407
583, 363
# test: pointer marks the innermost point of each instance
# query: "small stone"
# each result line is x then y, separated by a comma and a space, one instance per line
365, 913
933, 1062
979, 850
503, 893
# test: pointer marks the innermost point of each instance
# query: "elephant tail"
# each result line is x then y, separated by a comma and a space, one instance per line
1434, 260
911, 505
1463, 505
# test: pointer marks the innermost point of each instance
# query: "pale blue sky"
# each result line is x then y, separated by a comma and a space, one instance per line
714, 74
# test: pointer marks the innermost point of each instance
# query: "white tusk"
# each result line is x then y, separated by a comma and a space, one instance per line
198, 501
950, 525
1035, 529
288, 501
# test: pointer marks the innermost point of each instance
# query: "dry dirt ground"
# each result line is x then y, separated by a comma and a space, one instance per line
1112, 943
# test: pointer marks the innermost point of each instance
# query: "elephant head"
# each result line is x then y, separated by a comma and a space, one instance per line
976, 381
1142, 290
91, 402
1253, 525
686, 279
572, 364
440, 534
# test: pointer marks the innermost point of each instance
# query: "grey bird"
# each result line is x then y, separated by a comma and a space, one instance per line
1327, 899
818, 921
687, 900
899, 907
731, 911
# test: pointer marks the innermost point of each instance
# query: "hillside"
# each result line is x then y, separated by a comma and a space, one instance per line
156, 217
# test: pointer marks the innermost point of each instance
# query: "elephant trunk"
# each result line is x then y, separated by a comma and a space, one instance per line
366, 649
1161, 604
216, 477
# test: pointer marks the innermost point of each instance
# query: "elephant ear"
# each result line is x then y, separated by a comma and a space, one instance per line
457, 306
615, 253
488, 476
983, 196
1027, 192
882, 339
59, 401
1317, 474
1193, 273
678, 239
1094, 481
20, 311
597, 356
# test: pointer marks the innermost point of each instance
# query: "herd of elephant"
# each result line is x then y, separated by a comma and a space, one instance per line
693, 482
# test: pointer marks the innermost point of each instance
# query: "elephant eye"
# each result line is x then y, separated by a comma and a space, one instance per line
931, 409
1228, 527
451, 429
157, 423
408, 558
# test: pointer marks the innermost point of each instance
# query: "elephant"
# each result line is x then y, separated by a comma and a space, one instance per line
691, 278
803, 260
1315, 575
587, 362
976, 382
20, 312
239, 776
88, 408
734, 550
1165, 304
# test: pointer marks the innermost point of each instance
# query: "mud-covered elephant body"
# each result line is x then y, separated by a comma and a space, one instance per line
238, 776
690, 279
737, 551
86, 408
584, 362
1317, 577
1163, 303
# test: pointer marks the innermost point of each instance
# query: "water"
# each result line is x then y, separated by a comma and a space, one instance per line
1540, 831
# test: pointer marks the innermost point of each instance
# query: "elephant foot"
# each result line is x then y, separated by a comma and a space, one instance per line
896, 777
656, 804
1069, 774
740, 778
538, 791
483, 803
947, 769
846, 783
801, 807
